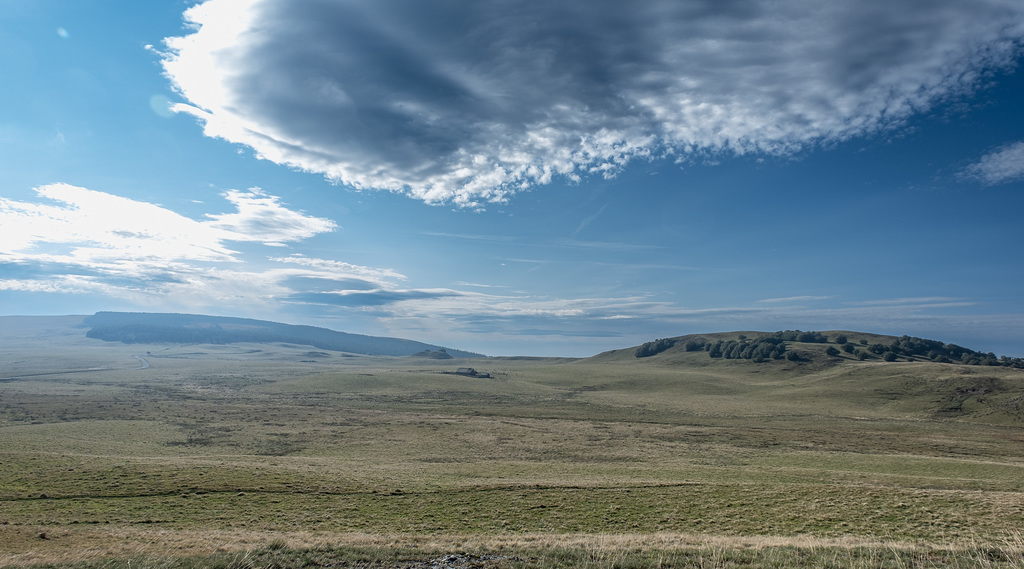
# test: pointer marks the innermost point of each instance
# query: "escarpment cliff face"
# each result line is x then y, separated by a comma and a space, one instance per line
154, 328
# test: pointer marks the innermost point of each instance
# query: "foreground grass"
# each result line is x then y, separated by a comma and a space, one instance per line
926, 515
242, 456
583, 551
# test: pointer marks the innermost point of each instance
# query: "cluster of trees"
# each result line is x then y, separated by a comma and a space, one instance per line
936, 351
798, 336
150, 328
656, 347
759, 350
773, 347
441, 354
764, 348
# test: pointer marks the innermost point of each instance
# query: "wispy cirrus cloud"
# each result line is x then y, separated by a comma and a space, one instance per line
915, 301
605, 245
789, 299
471, 237
1005, 164
260, 217
341, 269
366, 298
570, 243
480, 285
470, 103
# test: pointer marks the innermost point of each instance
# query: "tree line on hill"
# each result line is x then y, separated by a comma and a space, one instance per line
773, 347
937, 351
759, 350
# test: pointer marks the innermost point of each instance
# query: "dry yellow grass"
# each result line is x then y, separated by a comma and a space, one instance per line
23, 546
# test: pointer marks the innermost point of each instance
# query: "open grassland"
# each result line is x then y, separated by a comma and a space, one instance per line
275, 455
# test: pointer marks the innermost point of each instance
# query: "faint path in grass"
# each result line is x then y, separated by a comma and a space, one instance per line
44, 373
143, 364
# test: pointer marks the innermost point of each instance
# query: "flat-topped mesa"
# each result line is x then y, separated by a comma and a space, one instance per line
141, 327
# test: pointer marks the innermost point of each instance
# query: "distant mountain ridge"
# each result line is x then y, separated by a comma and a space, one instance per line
146, 327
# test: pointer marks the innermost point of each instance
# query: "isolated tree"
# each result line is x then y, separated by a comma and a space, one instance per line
849, 348
832, 351
889, 356
840, 339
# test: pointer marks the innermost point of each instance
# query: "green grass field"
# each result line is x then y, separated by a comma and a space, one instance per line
274, 455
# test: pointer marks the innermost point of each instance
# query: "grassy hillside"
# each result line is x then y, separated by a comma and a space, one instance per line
258, 455
817, 382
828, 346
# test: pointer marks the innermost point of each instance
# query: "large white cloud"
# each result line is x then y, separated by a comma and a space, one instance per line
80, 241
83, 226
467, 102
79, 225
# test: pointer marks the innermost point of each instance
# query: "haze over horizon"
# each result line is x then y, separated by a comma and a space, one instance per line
528, 178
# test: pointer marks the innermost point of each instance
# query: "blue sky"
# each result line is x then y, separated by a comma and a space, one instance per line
543, 178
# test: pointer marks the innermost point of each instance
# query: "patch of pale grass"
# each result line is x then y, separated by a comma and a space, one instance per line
66, 546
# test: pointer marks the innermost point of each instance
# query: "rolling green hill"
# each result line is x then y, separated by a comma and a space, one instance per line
829, 346
879, 376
